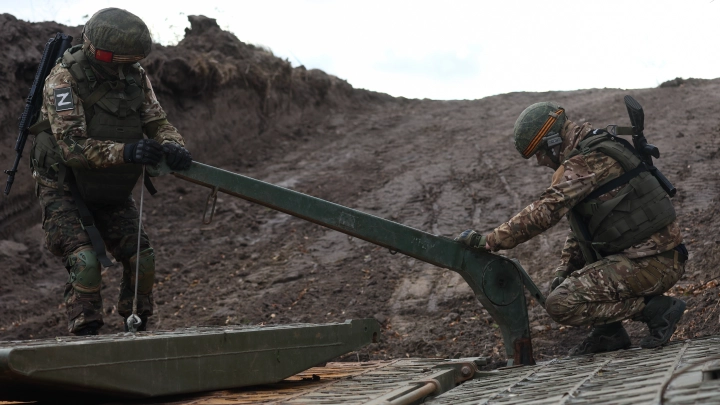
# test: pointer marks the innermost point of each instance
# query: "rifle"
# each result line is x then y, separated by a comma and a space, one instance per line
54, 48
647, 151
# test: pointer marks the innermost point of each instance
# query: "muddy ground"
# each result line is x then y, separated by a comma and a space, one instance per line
439, 166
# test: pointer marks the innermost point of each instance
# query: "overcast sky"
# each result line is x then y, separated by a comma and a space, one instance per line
450, 49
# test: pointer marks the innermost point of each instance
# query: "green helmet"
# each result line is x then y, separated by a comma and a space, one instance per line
115, 36
539, 121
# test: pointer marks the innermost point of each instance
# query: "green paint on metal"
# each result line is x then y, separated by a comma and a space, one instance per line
496, 281
185, 361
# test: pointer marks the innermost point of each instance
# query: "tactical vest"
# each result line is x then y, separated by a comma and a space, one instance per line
638, 210
112, 113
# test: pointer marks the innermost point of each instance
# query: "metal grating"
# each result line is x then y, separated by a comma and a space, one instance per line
625, 377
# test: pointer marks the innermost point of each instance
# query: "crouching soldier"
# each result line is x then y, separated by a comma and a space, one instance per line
625, 247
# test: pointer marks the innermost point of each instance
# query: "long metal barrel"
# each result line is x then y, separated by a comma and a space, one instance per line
496, 281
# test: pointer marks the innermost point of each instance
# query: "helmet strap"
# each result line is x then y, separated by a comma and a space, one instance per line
552, 145
554, 154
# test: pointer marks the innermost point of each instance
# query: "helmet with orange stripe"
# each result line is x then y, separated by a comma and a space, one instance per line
538, 129
113, 37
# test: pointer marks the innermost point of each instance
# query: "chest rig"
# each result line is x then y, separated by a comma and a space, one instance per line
639, 209
112, 113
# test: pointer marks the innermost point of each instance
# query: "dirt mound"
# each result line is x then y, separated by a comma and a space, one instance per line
440, 166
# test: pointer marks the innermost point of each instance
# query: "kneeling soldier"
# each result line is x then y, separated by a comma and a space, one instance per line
625, 247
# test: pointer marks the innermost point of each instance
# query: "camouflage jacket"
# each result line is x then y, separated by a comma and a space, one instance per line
574, 180
95, 154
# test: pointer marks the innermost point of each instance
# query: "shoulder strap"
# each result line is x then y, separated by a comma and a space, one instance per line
96, 95
589, 139
617, 182
77, 64
68, 57
618, 149
613, 146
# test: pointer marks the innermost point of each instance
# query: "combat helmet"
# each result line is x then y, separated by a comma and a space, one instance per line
115, 36
539, 126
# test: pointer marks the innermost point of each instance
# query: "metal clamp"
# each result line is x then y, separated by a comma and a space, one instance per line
212, 196
133, 323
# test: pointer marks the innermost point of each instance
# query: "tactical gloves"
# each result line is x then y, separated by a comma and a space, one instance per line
149, 152
561, 274
472, 239
177, 157
143, 152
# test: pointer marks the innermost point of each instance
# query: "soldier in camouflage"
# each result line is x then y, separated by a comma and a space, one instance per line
100, 123
625, 247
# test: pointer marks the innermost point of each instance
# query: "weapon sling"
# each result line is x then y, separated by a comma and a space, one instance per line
86, 218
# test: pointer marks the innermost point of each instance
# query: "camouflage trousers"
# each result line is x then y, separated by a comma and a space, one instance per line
612, 289
118, 225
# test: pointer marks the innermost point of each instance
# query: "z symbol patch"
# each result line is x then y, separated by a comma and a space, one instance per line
63, 99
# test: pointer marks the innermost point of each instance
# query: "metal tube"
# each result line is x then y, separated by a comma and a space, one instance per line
415, 395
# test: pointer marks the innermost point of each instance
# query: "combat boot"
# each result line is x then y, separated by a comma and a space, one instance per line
603, 338
91, 329
661, 314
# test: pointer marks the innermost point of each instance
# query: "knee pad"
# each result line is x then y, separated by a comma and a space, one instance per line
84, 270
146, 273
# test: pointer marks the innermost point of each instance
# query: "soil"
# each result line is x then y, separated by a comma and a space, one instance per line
439, 166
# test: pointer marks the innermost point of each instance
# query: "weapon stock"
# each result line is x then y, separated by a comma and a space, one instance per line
54, 48
647, 151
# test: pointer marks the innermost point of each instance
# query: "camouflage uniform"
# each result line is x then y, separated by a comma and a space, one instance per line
610, 289
70, 125
117, 223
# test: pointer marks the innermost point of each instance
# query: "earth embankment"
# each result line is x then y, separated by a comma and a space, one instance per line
439, 166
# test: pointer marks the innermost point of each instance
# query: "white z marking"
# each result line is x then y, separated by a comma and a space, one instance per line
62, 101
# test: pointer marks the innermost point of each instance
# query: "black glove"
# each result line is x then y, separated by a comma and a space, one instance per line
143, 152
472, 239
556, 282
177, 157
560, 274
